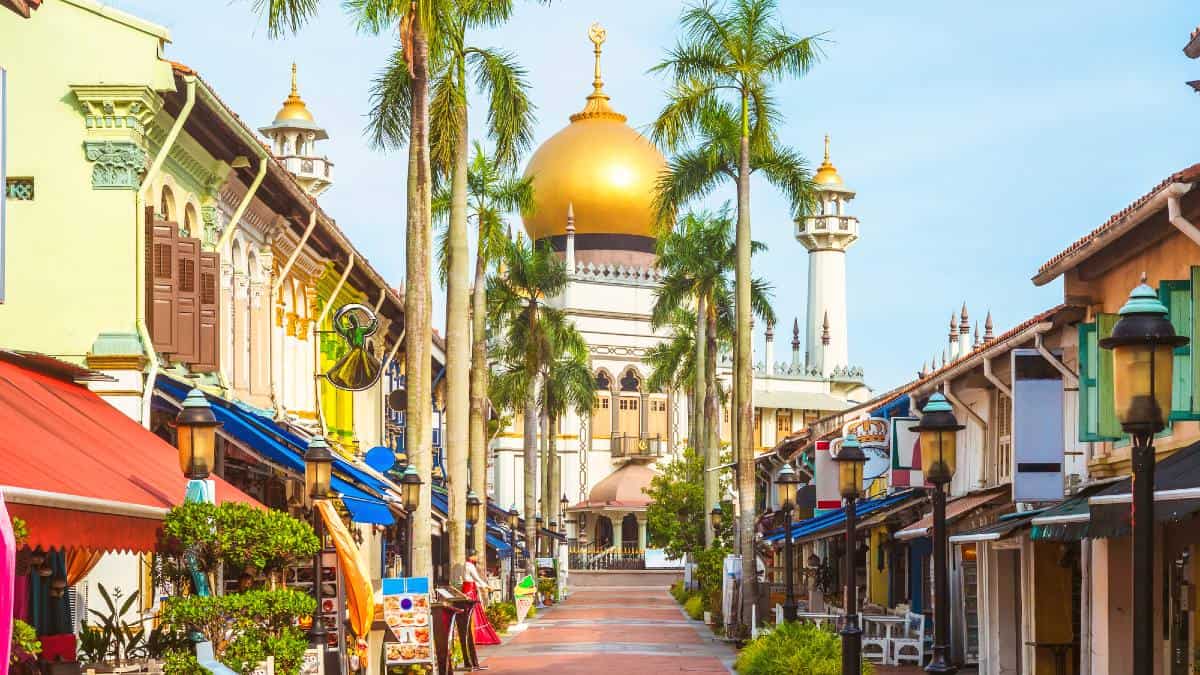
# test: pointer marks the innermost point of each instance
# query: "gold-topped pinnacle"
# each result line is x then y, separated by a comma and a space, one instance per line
296, 93
827, 173
597, 102
293, 108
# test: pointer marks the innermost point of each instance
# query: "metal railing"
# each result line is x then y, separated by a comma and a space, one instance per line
629, 446
610, 558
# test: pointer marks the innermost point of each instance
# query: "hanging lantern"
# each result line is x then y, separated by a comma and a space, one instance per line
473, 504
318, 465
195, 436
939, 432
786, 484
850, 461
410, 486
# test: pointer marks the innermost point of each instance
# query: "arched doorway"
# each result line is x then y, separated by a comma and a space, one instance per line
604, 532
629, 531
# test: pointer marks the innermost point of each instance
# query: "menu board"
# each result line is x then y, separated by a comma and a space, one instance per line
409, 636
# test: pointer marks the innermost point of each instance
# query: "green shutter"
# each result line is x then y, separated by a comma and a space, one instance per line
1194, 332
1107, 425
1177, 296
1088, 388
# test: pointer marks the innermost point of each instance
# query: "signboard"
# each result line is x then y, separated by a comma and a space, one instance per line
409, 636
524, 592
905, 449
1037, 423
828, 496
872, 434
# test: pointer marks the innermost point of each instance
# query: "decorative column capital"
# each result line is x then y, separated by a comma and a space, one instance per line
117, 164
115, 120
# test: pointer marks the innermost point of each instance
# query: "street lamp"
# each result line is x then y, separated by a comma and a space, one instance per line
1143, 344
410, 495
514, 519
786, 482
318, 465
850, 460
537, 534
195, 436
714, 517
939, 429
562, 506
473, 504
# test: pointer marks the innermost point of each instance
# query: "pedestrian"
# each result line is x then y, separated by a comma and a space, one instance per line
475, 587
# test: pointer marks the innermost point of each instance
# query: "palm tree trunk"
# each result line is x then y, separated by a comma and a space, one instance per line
553, 469
531, 462
700, 441
712, 414
744, 452
418, 435
544, 466
458, 354
479, 385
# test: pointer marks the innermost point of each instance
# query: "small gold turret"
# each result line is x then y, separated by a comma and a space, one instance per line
293, 106
827, 173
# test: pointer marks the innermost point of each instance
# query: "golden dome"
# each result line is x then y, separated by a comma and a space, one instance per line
827, 173
599, 165
293, 107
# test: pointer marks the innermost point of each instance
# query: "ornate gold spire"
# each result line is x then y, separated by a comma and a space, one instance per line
827, 173
597, 102
293, 106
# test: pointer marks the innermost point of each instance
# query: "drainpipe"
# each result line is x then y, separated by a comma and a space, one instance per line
1068, 374
140, 246
383, 366
987, 373
980, 478
276, 397
1175, 213
236, 218
317, 348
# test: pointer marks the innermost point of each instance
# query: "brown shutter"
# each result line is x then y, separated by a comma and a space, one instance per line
160, 282
187, 297
210, 313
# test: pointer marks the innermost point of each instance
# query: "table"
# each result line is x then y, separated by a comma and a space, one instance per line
888, 622
818, 617
1060, 650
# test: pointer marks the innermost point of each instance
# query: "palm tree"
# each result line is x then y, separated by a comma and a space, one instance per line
534, 334
698, 255
567, 386
725, 68
415, 21
453, 65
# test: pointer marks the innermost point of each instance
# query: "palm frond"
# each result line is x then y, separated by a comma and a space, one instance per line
390, 117
510, 116
286, 16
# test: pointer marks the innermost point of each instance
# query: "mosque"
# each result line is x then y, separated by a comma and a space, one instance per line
593, 187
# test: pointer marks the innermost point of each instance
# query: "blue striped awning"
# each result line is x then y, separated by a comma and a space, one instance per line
833, 519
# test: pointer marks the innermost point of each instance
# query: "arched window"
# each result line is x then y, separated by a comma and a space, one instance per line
602, 407
189, 221
629, 403
166, 204
602, 381
630, 382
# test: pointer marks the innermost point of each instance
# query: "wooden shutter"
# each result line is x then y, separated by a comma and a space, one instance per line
1194, 332
1089, 390
161, 281
187, 294
1108, 427
209, 315
1177, 296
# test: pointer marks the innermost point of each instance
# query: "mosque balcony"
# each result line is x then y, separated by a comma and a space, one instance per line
786, 370
308, 167
633, 446
852, 374
826, 231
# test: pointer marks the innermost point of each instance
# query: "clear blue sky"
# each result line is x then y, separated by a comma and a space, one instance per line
981, 139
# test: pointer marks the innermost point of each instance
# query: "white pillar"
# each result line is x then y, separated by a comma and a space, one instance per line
570, 257
827, 298
769, 354
641, 521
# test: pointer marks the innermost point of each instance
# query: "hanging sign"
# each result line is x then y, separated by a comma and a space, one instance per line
905, 449
872, 434
1037, 428
409, 636
828, 497
358, 369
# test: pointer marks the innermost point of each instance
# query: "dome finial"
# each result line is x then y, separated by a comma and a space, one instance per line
293, 106
827, 173
597, 102
826, 135
597, 35
296, 90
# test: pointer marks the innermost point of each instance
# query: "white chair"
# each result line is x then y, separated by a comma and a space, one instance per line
778, 615
875, 647
911, 647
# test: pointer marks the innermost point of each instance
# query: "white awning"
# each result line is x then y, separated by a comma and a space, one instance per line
799, 400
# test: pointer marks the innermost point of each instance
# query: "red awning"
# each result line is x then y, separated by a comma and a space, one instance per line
82, 473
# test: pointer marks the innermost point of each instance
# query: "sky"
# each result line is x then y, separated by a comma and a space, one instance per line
981, 138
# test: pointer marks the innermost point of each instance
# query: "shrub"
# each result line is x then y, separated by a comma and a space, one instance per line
548, 588
694, 608
25, 643
235, 535
710, 572
501, 615
180, 662
245, 628
794, 648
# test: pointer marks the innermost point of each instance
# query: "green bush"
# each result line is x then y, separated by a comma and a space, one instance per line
180, 662
235, 535
548, 588
694, 607
25, 643
501, 615
793, 648
710, 564
245, 628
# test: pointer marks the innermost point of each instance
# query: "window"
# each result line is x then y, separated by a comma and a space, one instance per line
1097, 416
166, 204
783, 422
1177, 296
189, 221
18, 189
1003, 435
602, 382
629, 382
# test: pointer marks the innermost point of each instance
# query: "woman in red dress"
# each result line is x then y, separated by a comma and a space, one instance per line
473, 583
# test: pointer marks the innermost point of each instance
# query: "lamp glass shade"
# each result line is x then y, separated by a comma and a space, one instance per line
473, 504
850, 478
410, 489
1142, 378
715, 515
318, 467
196, 436
938, 454
786, 483
514, 518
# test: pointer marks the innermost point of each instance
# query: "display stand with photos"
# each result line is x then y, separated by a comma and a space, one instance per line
408, 638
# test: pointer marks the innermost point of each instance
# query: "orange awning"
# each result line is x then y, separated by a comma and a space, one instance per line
81, 472
955, 509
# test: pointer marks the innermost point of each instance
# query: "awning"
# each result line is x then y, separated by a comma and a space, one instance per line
1004, 526
1068, 520
828, 521
956, 509
80, 472
284, 448
799, 400
896, 407
1176, 496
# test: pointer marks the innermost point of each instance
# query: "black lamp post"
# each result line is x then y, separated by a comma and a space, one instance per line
473, 505
1143, 344
318, 465
714, 518
786, 483
195, 436
537, 534
939, 430
410, 487
514, 519
850, 460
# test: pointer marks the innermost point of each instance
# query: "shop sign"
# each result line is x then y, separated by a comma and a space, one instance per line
872, 434
406, 611
828, 496
905, 450
1037, 428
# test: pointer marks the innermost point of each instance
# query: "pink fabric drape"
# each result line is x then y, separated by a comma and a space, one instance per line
8, 573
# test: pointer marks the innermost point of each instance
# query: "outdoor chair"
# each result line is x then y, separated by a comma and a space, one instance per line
911, 647
875, 647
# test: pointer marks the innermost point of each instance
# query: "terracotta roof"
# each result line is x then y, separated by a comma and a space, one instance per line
22, 7
1188, 175
1192, 48
624, 487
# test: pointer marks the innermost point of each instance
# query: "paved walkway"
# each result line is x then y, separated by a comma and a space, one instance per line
613, 629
